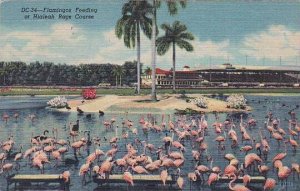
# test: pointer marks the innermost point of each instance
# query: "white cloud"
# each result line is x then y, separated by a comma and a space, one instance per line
116, 52
70, 44
30, 46
202, 51
113, 50
276, 41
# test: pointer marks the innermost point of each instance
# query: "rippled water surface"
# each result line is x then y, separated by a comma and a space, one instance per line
22, 130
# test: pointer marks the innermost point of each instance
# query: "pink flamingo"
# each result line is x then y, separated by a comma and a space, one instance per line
237, 187
296, 169
180, 182
164, 176
139, 170
84, 169
66, 176
246, 179
283, 173
213, 177
192, 176
6, 167
128, 177
269, 184
5, 117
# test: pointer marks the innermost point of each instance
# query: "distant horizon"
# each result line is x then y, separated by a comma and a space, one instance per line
256, 33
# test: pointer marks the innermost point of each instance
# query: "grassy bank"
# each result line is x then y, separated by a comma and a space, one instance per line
57, 91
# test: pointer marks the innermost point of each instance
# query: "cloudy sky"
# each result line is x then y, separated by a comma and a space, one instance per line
262, 31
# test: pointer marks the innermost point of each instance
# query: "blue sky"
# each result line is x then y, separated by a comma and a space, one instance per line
263, 31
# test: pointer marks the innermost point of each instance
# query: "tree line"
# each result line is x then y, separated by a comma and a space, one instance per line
48, 73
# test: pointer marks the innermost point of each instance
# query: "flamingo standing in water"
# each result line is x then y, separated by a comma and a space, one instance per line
16, 116
5, 117
128, 177
66, 176
84, 169
164, 176
180, 182
296, 169
269, 184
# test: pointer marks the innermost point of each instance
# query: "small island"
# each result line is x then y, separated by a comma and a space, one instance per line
168, 103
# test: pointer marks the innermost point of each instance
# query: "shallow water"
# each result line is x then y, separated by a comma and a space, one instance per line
23, 128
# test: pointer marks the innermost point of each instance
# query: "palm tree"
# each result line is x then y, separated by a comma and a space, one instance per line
135, 17
176, 34
4, 71
148, 71
118, 72
121, 73
173, 9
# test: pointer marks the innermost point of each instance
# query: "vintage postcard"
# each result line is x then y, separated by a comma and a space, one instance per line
149, 95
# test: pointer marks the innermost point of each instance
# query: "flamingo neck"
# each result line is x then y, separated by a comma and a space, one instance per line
230, 183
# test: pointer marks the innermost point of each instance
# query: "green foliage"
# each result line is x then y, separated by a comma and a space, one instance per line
47, 73
135, 16
174, 34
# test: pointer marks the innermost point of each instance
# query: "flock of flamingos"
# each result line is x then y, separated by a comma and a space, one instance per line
168, 155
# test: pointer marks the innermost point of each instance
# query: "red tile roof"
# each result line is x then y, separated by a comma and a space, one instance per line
160, 71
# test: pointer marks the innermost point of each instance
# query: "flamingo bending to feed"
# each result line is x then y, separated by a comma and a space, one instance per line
237, 187
6, 167
139, 170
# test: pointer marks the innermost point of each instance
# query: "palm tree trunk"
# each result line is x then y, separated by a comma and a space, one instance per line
116, 80
153, 48
138, 38
121, 80
174, 69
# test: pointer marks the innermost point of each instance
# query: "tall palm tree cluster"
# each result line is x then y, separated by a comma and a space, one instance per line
140, 16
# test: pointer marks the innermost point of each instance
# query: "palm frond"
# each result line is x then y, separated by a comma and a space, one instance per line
134, 12
127, 7
186, 36
178, 27
146, 27
183, 3
133, 33
166, 27
184, 45
172, 7
127, 34
119, 29
163, 45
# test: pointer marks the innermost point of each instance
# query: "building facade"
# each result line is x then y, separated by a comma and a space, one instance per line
183, 78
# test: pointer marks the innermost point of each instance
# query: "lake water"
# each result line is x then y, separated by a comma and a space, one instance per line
23, 128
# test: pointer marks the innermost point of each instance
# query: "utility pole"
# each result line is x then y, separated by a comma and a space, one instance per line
210, 69
280, 77
280, 60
